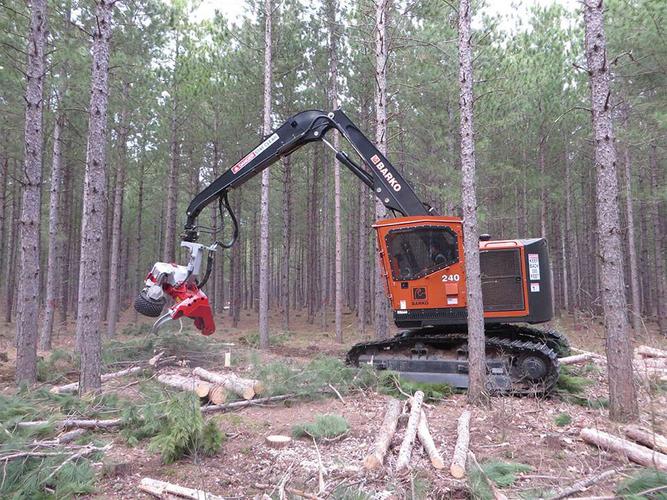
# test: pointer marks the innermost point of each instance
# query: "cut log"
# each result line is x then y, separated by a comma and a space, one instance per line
578, 358
277, 441
185, 383
72, 423
73, 387
242, 404
634, 452
410, 432
458, 467
387, 430
426, 440
246, 388
155, 359
650, 352
647, 438
161, 488
217, 395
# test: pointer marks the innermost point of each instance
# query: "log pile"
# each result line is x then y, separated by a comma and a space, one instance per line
212, 386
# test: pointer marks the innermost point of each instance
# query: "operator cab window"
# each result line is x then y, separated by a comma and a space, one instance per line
418, 251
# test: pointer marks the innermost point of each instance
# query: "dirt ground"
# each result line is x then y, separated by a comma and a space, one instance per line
510, 429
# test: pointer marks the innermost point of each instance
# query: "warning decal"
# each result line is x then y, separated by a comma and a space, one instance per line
257, 151
534, 266
534, 287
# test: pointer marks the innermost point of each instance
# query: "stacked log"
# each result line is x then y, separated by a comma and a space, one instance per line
246, 388
192, 384
651, 363
647, 438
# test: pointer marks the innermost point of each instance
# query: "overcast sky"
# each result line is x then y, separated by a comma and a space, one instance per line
511, 11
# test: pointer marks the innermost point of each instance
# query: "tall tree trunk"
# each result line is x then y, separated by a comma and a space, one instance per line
362, 252
168, 250
476, 340
94, 203
381, 61
139, 271
332, 9
28, 268
287, 233
622, 396
264, 223
4, 174
67, 228
53, 276
661, 281
13, 247
117, 228
632, 249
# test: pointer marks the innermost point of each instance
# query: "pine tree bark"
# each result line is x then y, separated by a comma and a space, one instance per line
622, 396
117, 228
168, 249
4, 173
13, 246
53, 276
28, 268
635, 311
661, 281
287, 243
476, 341
94, 203
381, 61
332, 10
264, 222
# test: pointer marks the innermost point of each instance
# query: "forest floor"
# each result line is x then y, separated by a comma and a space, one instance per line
542, 433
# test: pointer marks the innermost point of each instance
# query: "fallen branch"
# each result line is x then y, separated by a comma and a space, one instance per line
647, 438
410, 432
74, 386
584, 484
387, 431
162, 489
293, 491
634, 452
89, 448
243, 404
458, 467
64, 438
72, 423
650, 352
427, 442
497, 495
246, 388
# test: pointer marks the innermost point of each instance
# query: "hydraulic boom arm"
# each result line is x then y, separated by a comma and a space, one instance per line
305, 127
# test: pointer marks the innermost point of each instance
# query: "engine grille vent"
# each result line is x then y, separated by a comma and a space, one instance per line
502, 285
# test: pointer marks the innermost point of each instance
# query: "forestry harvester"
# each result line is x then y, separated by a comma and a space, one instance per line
422, 255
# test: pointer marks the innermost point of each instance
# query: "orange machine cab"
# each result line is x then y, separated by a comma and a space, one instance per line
425, 271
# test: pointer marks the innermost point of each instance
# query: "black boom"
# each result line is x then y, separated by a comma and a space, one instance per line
310, 126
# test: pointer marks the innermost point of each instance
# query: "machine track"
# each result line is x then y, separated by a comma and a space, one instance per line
517, 364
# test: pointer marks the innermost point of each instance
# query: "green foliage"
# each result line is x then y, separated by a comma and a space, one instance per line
27, 478
311, 379
563, 419
277, 340
183, 431
503, 474
116, 353
137, 329
638, 485
54, 368
40, 404
392, 384
323, 427
350, 493
570, 383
